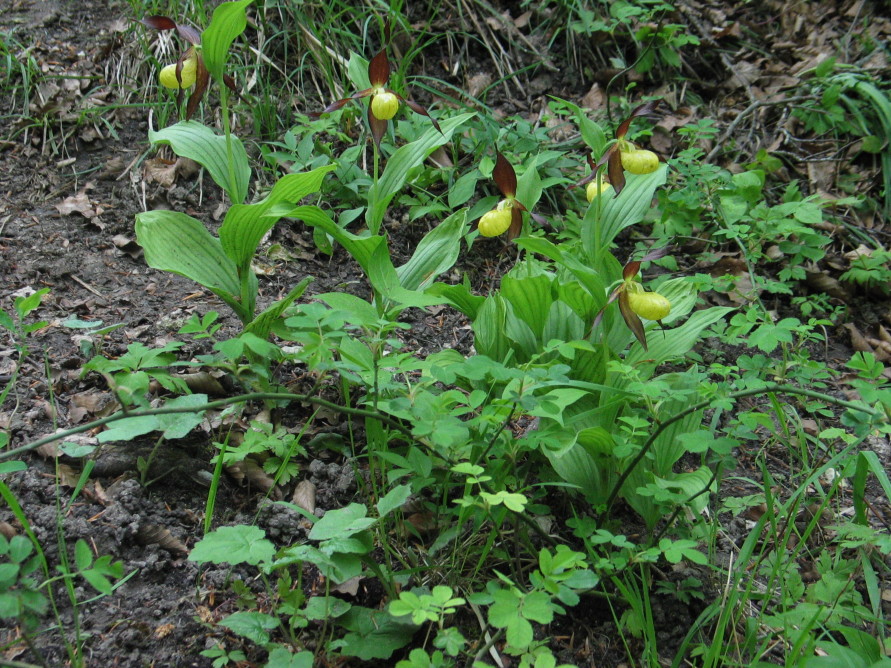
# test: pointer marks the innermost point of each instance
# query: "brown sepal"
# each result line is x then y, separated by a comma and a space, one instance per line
189, 34
418, 109
631, 319
379, 69
378, 127
505, 176
615, 170
642, 110
631, 270
158, 22
516, 221
202, 80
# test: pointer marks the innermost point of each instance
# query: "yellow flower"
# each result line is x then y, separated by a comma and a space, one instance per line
384, 105
497, 220
639, 161
596, 190
187, 74
649, 305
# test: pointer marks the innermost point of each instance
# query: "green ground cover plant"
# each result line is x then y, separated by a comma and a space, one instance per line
584, 406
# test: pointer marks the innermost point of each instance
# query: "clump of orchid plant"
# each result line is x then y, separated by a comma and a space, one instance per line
623, 155
635, 302
384, 102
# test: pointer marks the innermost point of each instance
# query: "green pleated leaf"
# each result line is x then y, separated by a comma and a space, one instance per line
245, 224
197, 142
436, 253
401, 163
673, 343
530, 297
228, 22
176, 242
607, 216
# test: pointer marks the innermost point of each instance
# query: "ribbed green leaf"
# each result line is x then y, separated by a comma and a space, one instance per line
176, 242
245, 224
361, 248
401, 162
197, 142
607, 216
672, 343
530, 297
436, 253
228, 22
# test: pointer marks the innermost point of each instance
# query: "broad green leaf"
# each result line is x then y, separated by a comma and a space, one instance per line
463, 189
529, 186
254, 626
228, 22
362, 313
178, 425
342, 522
357, 71
374, 634
460, 297
530, 297
129, 428
436, 253
385, 280
176, 242
191, 139
246, 224
325, 607
393, 500
401, 163
360, 248
240, 544
281, 657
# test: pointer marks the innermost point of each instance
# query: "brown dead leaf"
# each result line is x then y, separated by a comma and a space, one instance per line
68, 477
92, 402
820, 281
593, 99
305, 496
349, 587
154, 534
477, 83
678, 119
858, 341
166, 172
164, 630
127, 245
7, 530
80, 203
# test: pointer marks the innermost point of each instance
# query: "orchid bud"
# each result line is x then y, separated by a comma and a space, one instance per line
640, 161
596, 189
496, 221
649, 305
384, 105
187, 74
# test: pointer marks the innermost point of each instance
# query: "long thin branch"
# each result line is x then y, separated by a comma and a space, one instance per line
219, 403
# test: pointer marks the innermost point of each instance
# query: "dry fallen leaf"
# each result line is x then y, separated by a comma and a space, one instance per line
305, 496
